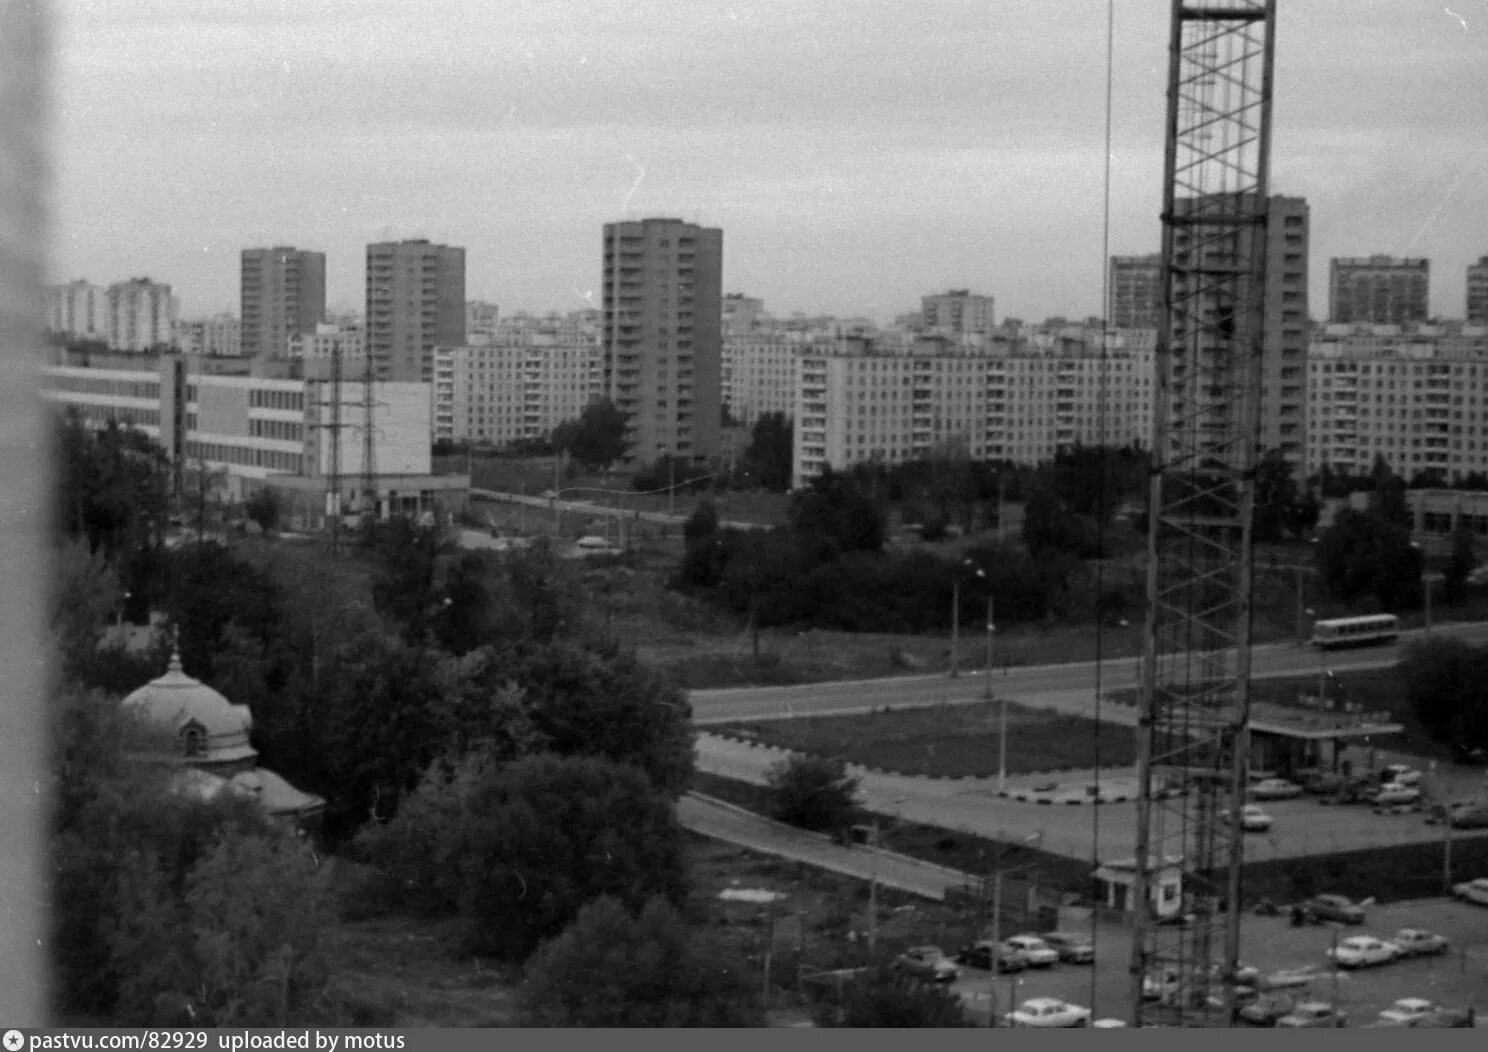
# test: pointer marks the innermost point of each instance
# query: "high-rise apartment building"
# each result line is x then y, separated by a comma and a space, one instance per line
78, 309
283, 294
1477, 292
662, 344
415, 303
139, 314
1135, 291
1379, 290
957, 311
1285, 336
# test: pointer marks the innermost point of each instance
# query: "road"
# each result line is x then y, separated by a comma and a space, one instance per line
1070, 687
713, 818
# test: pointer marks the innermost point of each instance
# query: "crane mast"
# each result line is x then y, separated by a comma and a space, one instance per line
1193, 731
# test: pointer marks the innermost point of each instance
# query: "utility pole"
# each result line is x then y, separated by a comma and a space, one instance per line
955, 623
996, 958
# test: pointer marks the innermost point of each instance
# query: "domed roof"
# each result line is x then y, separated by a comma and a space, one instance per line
274, 794
209, 727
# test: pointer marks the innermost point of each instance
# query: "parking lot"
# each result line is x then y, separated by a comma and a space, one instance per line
1271, 944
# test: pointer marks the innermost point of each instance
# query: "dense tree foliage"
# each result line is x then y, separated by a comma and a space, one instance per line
597, 438
883, 999
813, 793
767, 461
157, 895
1446, 684
835, 514
609, 968
1366, 555
1281, 506
518, 848
1459, 564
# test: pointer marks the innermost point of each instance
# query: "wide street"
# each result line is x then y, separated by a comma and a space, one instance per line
1071, 687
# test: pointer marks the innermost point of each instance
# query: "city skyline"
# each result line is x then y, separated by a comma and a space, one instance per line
856, 158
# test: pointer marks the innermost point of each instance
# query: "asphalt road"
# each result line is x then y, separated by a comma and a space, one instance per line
1068, 687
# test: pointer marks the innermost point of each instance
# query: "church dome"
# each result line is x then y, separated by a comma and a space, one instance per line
207, 727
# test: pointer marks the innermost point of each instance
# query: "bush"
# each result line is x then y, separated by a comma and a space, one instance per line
883, 999
610, 969
813, 793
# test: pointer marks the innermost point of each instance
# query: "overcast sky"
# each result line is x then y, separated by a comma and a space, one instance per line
856, 153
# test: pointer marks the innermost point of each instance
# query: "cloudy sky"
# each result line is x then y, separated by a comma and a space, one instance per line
856, 153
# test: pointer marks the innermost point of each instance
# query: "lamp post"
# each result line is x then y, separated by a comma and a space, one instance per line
1441, 793
955, 623
997, 875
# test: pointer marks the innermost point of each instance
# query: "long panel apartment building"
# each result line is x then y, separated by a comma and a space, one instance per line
518, 382
1415, 395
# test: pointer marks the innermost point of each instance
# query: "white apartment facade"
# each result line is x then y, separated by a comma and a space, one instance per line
517, 383
139, 314
1418, 397
219, 336
79, 310
759, 373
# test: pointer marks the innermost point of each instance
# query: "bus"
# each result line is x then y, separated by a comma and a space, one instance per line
1356, 631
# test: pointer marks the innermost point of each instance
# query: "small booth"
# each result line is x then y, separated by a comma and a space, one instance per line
1117, 882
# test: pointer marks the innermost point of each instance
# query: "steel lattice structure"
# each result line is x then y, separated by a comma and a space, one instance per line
1193, 740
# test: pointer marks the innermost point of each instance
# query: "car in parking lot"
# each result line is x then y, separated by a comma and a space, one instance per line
1363, 951
1035, 951
1400, 774
1253, 818
927, 962
1313, 1014
1394, 795
1267, 1009
1072, 947
1417, 942
1334, 908
980, 955
1475, 891
1048, 1012
1446, 1018
1275, 789
1406, 1010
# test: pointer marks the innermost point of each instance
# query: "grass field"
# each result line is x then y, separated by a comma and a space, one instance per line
950, 741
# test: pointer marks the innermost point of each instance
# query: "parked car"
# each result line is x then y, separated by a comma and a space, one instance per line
1048, 1012
1334, 908
1108, 1023
1394, 795
1313, 1014
1350, 790
927, 962
979, 955
1072, 947
1253, 818
1472, 891
1400, 774
1162, 985
1462, 815
1363, 951
1417, 942
1275, 789
1406, 1010
1267, 1009
1245, 974
1036, 952
1444, 1018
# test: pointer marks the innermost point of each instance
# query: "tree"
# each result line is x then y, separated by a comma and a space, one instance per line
585, 703
263, 508
1446, 684
1387, 499
1459, 565
836, 514
1365, 554
768, 459
883, 999
702, 524
521, 847
1275, 497
597, 438
465, 619
405, 588
813, 793
609, 969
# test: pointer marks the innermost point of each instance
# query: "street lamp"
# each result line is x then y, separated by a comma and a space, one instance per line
997, 875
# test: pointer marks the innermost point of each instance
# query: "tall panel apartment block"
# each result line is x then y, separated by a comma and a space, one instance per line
415, 303
662, 346
1379, 290
283, 294
1477, 292
1135, 291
